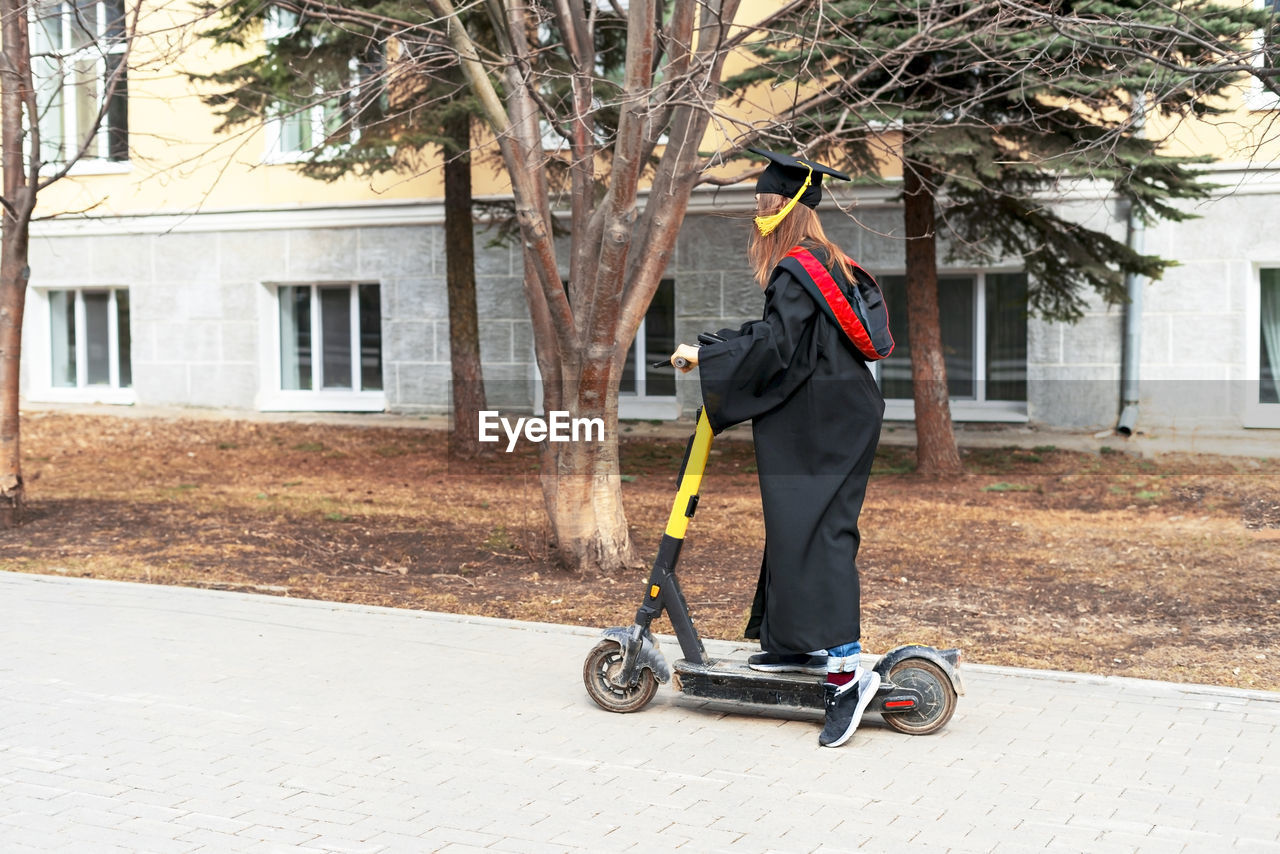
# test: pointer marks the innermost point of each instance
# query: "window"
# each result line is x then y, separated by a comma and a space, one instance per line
330, 338
332, 117
655, 339
1269, 337
78, 53
644, 391
1267, 41
984, 339
89, 339
1262, 349
332, 111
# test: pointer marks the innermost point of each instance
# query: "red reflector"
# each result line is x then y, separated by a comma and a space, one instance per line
899, 704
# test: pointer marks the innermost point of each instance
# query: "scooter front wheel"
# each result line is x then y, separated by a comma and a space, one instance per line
934, 686
602, 666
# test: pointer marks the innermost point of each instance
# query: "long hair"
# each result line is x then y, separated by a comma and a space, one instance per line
800, 227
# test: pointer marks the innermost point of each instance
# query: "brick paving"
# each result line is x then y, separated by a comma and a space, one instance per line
160, 719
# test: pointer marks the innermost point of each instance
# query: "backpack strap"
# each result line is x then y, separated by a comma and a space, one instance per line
873, 344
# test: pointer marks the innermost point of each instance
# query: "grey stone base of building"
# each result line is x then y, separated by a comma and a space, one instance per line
204, 326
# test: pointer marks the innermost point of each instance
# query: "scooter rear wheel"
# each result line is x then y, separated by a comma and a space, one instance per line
933, 684
603, 664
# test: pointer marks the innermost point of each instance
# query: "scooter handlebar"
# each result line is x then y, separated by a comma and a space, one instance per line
680, 361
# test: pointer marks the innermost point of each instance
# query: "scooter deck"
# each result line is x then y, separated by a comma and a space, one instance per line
731, 680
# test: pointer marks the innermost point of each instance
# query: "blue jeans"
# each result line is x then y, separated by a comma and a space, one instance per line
843, 658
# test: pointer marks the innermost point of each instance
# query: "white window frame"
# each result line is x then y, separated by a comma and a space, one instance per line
641, 404
1256, 414
272, 398
632, 405
97, 157
551, 140
1258, 98
276, 153
964, 409
39, 352
280, 23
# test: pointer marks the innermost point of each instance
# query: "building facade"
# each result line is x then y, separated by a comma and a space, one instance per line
202, 270
343, 308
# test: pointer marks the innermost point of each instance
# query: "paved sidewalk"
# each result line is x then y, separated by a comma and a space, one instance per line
136, 718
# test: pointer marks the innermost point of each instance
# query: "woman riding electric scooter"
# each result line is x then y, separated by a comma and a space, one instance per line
800, 376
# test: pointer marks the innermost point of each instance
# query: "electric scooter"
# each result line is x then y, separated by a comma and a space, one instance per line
919, 685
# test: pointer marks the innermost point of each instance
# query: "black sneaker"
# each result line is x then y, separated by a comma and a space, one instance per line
845, 705
772, 662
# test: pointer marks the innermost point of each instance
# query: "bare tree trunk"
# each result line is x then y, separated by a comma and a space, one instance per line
581, 482
936, 453
582, 488
18, 204
619, 252
460, 259
13, 286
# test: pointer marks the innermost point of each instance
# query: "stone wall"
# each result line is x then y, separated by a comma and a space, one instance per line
1194, 371
197, 301
195, 304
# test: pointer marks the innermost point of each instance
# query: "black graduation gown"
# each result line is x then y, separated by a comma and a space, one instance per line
816, 414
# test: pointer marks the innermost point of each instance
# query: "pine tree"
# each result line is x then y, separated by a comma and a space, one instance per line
1008, 107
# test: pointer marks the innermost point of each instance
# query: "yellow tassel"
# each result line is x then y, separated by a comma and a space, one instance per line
767, 224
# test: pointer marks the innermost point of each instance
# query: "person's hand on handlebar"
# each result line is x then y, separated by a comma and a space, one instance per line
685, 358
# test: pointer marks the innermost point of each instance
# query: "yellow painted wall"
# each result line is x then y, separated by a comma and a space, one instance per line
179, 164
1246, 133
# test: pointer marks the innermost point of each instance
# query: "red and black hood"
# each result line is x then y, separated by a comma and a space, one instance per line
856, 307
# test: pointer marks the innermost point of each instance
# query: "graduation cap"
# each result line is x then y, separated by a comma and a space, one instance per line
786, 176
794, 177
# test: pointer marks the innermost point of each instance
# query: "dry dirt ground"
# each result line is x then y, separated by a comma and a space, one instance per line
1104, 563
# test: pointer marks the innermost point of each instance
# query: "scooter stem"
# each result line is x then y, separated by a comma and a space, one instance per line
691, 471
664, 591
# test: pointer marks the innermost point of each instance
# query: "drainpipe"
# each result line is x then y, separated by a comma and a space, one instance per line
1133, 284
1129, 367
